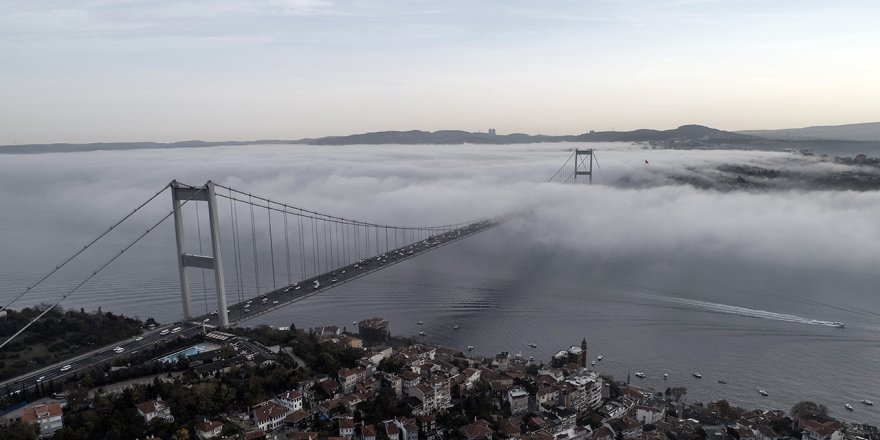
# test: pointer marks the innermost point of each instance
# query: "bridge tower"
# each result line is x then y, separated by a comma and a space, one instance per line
184, 194
580, 166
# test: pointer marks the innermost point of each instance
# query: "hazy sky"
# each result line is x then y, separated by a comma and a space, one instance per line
102, 70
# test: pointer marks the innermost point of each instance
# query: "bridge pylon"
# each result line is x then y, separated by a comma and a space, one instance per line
181, 194
580, 166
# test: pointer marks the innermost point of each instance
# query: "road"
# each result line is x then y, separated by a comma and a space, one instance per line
245, 310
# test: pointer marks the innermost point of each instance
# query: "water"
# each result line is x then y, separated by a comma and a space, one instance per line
187, 352
739, 287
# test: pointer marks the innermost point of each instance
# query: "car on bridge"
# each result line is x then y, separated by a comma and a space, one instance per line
164, 332
118, 350
175, 330
66, 367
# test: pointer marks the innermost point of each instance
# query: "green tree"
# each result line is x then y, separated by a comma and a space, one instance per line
808, 409
19, 431
181, 434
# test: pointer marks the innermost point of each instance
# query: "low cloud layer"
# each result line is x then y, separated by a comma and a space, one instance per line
635, 218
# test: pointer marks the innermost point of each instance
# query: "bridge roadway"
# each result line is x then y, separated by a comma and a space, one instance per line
245, 310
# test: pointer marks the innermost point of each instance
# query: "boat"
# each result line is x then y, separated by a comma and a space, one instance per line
470, 348
837, 324
867, 402
533, 345
599, 357
640, 374
848, 406
697, 375
531, 358
419, 322
354, 323
721, 381
665, 376
593, 363
455, 327
422, 333
762, 392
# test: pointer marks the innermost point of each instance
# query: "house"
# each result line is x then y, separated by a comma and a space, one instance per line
348, 377
152, 409
518, 399
368, 432
409, 429
479, 430
299, 420
269, 415
825, 430
293, 400
428, 424
207, 429
626, 428
346, 427
392, 431
547, 396
47, 416
302, 436
649, 415
330, 388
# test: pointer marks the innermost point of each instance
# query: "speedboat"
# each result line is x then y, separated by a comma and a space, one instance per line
354, 323
640, 374
697, 375
867, 402
422, 333
533, 345
721, 381
419, 322
837, 324
592, 363
599, 357
470, 348
762, 392
848, 406
455, 327
666, 376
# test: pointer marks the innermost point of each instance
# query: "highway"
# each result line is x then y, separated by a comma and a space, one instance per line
246, 310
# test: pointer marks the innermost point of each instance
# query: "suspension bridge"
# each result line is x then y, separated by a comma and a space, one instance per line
309, 252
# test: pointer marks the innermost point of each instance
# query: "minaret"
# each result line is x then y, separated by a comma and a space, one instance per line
583, 359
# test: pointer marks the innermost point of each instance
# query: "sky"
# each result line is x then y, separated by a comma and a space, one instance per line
168, 70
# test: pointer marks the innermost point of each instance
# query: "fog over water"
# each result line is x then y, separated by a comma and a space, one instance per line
659, 277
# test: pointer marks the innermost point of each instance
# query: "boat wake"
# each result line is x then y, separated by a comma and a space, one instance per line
742, 311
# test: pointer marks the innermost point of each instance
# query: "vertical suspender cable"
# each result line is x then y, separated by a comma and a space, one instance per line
254, 243
302, 248
204, 283
237, 248
287, 247
271, 246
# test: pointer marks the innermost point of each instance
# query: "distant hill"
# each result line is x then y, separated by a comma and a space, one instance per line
102, 146
686, 133
869, 131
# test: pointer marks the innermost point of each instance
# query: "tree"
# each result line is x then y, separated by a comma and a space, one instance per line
181, 434
678, 392
808, 409
19, 431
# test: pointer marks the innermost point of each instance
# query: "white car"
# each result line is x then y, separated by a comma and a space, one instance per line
40, 379
275, 302
164, 332
66, 367
118, 350
175, 330
139, 338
